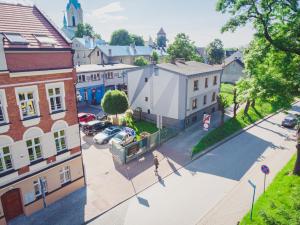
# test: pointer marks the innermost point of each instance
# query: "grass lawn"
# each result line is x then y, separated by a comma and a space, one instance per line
280, 205
142, 126
227, 92
261, 110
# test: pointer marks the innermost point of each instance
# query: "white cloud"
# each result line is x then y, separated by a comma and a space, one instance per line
107, 13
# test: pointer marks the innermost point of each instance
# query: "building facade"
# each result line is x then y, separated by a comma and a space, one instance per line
108, 54
40, 153
181, 92
94, 80
233, 68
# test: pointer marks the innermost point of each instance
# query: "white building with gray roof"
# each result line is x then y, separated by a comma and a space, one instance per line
180, 92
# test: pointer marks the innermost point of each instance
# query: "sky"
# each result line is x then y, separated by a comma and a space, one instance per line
197, 18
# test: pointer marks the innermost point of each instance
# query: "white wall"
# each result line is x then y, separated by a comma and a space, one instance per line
233, 72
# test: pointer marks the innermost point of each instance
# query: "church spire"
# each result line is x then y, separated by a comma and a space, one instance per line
65, 21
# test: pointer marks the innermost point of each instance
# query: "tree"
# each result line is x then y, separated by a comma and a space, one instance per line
114, 102
235, 103
184, 48
161, 41
154, 56
86, 30
297, 164
140, 61
278, 21
138, 40
215, 52
222, 102
121, 37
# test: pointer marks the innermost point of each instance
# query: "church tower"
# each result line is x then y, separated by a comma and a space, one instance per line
74, 13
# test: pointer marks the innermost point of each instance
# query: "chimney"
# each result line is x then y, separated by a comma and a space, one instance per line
109, 52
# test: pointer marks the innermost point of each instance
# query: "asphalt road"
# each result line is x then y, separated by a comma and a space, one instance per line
213, 189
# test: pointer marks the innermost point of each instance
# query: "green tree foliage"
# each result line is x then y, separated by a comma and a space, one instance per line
140, 61
215, 52
161, 42
154, 56
121, 37
278, 21
138, 40
184, 48
222, 102
114, 102
86, 30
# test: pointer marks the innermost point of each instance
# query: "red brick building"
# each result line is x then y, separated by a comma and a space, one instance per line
40, 154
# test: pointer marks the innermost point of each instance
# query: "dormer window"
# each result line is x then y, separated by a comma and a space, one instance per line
16, 39
44, 39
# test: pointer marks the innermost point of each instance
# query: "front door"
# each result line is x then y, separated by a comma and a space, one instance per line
12, 204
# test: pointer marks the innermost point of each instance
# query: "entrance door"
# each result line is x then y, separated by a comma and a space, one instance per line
12, 204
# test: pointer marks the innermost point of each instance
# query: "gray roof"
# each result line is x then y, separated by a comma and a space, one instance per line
189, 68
100, 68
125, 50
235, 56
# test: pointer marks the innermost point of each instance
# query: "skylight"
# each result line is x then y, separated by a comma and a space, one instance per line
44, 39
15, 38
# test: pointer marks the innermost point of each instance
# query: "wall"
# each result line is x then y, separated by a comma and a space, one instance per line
233, 72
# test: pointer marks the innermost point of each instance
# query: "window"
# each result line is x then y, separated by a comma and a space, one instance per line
215, 80
60, 140
146, 80
65, 175
213, 97
34, 149
194, 104
206, 82
196, 86
109, 75
81, 78
204, 99
38, 184
98, 76
98, 53
15, 38
27, 104
5, 159
55, 97
148, 111
146, 99
44, 39
2, 117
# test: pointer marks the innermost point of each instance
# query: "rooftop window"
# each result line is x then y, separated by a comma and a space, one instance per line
15, 38
44, 39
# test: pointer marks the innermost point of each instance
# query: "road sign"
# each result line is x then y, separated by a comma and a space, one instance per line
265, 169
206, 121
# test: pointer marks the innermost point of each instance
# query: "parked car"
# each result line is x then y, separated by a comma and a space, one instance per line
86, 117
123, 138
95, 126
102, 117
104, 136
289, 121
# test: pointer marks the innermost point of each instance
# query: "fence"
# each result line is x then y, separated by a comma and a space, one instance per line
124, 154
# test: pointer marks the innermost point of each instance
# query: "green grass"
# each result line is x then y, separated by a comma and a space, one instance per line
280, 205
227, 92
142, 126
233, 125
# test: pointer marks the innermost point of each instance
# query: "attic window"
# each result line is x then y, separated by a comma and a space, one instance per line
44, 39
15, 38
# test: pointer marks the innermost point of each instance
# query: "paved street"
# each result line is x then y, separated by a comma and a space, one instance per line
213, 189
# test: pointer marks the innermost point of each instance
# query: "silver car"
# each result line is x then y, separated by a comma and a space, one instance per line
104, 136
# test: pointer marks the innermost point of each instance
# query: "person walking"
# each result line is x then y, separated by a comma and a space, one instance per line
156, 163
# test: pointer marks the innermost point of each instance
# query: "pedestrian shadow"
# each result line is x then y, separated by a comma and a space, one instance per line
161, 180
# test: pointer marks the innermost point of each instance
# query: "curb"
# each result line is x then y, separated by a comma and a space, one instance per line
209, 149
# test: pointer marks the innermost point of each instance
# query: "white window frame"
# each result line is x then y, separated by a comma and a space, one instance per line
37, 183
34, 146
34, 90
59, 138
61, 87
2, 155
65, 175
3, 106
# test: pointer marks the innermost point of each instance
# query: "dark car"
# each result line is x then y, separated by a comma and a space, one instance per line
289, 121
95, 126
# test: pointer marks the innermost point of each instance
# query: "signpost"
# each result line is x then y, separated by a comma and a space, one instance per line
265, 169
253, 199
206, 121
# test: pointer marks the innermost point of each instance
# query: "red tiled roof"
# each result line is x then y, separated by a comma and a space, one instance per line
28, 20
